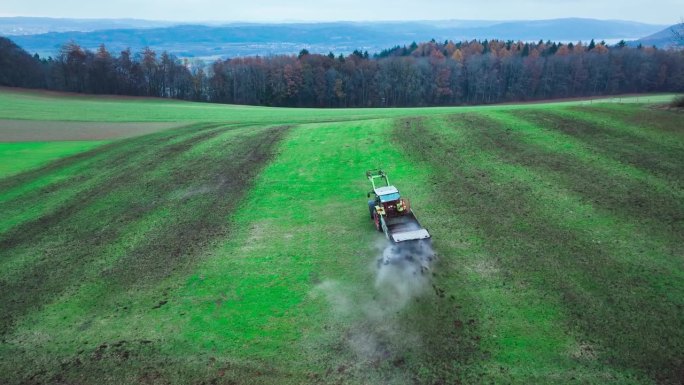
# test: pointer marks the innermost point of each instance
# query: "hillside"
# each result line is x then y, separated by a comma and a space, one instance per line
234, 246
663, 39
343, 37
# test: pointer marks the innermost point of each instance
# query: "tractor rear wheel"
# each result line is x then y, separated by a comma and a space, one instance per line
376, 219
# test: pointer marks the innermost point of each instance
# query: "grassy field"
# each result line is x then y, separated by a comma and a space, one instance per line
22, 156
50, 106
234, 247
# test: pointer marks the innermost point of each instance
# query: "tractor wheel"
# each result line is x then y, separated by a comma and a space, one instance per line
376, 219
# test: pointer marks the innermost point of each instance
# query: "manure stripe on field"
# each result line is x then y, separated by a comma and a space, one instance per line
34, 193
648, 121
635, 146
131, 180
582, 248
122, 150
651, 202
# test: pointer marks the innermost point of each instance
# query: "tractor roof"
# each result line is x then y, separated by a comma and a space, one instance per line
386, 190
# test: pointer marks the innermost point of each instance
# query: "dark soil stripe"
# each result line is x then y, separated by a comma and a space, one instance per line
666, 121
202, 219
140, 361
116, 148
619, 195
67, 243
48, 131
29, 231
603, 298
100, 164
659, 159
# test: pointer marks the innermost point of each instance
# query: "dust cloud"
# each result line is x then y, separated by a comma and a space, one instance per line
401, 274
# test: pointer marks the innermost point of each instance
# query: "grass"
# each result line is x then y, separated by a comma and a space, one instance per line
22, 156
558, 226
237, 249
45, 106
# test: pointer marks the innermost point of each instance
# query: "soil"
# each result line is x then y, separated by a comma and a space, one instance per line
50, 131
72, 238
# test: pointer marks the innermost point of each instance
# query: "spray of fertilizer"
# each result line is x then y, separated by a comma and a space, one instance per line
402, 274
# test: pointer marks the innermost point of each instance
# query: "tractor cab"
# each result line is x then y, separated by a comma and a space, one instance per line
386, 194
390, 200
387, 200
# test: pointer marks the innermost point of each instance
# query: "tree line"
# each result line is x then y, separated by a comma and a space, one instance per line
427, 74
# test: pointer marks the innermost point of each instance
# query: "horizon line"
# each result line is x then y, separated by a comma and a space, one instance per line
303, 21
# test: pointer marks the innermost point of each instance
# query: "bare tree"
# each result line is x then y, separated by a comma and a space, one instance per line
678, 34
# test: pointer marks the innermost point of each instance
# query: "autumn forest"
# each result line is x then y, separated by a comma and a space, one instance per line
425, 74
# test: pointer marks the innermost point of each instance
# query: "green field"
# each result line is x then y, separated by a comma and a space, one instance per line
234, 246
18, 157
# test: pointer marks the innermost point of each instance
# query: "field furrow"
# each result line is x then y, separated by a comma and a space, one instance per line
548, 233
650, 202
190, 198
608, 137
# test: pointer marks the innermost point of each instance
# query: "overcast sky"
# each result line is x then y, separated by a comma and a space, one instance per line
653, 11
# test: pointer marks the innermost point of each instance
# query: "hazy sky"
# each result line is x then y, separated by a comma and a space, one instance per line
653, 11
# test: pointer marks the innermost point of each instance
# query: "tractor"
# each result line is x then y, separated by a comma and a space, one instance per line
391, 213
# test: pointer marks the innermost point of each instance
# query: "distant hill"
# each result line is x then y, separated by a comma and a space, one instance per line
233, 40
16, 26
661, 39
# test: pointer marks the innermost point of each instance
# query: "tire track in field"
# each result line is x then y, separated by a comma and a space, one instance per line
31, 230
179, 242
628, 198
121, 150
660, 159
68, 241
36, 193
613, 303
657, 212
666, 123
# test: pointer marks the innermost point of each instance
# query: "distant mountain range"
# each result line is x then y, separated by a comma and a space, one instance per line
661, 39
14, 26
232, 40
